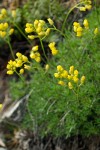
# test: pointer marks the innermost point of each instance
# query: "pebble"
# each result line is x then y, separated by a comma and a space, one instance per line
1, 148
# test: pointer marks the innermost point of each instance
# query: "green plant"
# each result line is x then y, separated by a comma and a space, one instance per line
70, 107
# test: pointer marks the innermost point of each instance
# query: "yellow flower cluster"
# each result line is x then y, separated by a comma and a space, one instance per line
18, 64
3, 13
35, 54
71, 76
4, 30
37, 29
78, 29
9, 15
86, 5
53, 49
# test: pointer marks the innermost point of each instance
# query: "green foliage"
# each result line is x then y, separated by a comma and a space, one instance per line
43, 10
16, 86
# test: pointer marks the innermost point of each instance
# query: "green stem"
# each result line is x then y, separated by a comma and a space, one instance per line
11, 49
43, 49
58, 31
74, 92
84, 50
63, 25
19, 76
77, 97
22, 33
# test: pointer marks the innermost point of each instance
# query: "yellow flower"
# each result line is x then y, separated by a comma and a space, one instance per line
64, 74
2, 34
1, 16
3, 11
88, 7
38, 29
35, 56
10, 63
36, 23
14, 63
61, 83
1, 106
21, 71
83, 79
24, 58
35, 48
96, 31
70, 85
79, 29
13, 13
37, 59
82, 8
71, 69
56, 75
29, 30
18, 54
75, 79
47, 31
10, 72
60, 68
54, 51
50, 21
31, 37
1, 26
32, 55
51, 45
75, 29
41, 33
11, 31
76, 73
69, 77
79, 34
5, 25
86, 24
27, 67
8, 66
19, 63
41, 23
76, 24
29, 25
47, 67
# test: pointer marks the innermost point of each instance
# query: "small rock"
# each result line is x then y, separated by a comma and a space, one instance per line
1, 148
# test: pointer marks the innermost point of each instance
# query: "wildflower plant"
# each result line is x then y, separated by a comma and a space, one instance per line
65, 97
9, 22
